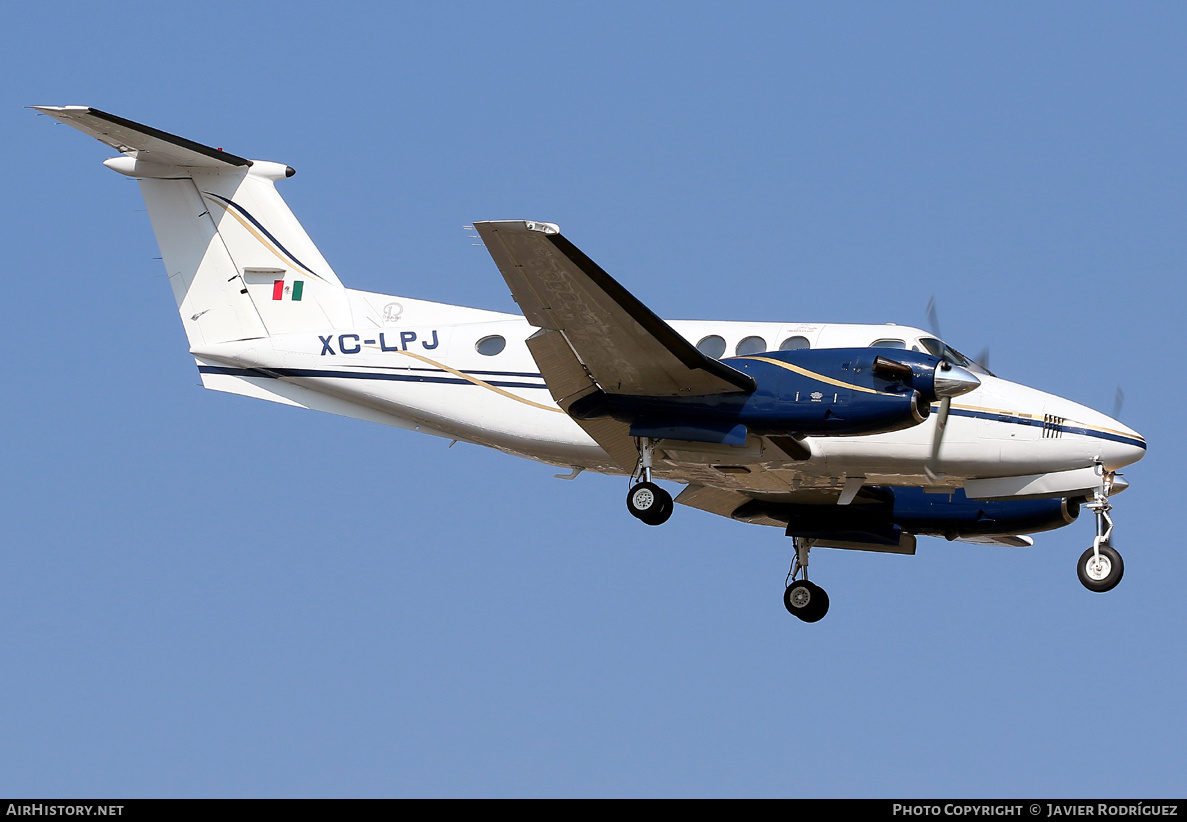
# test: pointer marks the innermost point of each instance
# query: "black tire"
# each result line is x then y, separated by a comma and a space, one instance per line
666, 510
806, 601
1102, 576
649, 503
819, 605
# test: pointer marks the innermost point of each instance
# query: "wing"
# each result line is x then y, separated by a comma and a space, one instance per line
144, 142
595, 335
623, 345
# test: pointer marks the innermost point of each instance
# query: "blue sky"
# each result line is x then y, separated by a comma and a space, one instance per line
206, 595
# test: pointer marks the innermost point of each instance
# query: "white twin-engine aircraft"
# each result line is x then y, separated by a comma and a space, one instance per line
846, 436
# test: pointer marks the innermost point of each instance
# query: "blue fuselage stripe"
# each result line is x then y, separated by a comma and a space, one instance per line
276, 373
1064, 427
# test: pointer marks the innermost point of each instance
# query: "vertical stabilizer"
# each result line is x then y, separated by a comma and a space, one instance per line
240, 264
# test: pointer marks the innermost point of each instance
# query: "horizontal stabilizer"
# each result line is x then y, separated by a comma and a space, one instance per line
140, 141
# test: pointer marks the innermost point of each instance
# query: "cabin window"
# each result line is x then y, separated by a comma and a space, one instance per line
751, 345
489, 346
888, 344
712, 346
794, 344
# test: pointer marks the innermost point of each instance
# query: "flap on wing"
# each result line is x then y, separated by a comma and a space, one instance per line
905, 545
623, 345
568, 381
143, 142
723, 502
1010, 541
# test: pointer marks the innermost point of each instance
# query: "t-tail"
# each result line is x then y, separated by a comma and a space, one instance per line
240, 264
254, 293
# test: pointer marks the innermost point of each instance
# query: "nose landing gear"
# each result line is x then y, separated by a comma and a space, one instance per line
1100, 567
804, 600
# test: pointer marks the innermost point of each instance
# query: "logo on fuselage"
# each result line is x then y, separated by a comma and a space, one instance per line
391, 313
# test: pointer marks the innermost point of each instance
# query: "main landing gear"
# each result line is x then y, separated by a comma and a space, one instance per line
1100, 567
804, 600
647, 501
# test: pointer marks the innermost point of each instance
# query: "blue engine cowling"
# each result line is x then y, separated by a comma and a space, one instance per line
881, 514
823, 392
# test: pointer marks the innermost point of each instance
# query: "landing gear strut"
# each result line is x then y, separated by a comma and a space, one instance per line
647, 501
1100, 567
804, 600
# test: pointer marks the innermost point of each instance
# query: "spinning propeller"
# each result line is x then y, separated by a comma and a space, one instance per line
951, 380
933, 325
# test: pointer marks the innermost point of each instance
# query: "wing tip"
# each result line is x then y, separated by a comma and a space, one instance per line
519, 226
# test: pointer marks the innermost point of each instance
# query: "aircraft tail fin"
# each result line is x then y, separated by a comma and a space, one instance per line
240, 264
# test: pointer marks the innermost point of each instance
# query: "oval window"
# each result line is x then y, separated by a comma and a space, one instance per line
751, 345
888, 344
489, 346
794, 344
712, 346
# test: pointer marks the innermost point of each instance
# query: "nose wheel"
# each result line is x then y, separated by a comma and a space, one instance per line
1100, 567
804, 600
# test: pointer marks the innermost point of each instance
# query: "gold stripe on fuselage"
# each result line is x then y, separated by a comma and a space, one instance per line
813, 375
1021, 416
479, 382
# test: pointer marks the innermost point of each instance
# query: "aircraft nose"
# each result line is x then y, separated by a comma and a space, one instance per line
954, 381
1123, 445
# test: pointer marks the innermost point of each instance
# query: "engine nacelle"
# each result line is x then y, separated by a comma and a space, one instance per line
880, 514
824, 392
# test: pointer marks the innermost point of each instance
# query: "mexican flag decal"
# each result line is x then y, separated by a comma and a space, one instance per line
278, 290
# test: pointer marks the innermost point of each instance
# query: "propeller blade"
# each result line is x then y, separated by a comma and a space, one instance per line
933, 324
933, 459
933, 317
1118, 401
949, 383
983, 358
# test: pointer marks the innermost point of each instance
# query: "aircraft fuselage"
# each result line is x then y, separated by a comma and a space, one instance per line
435, 376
